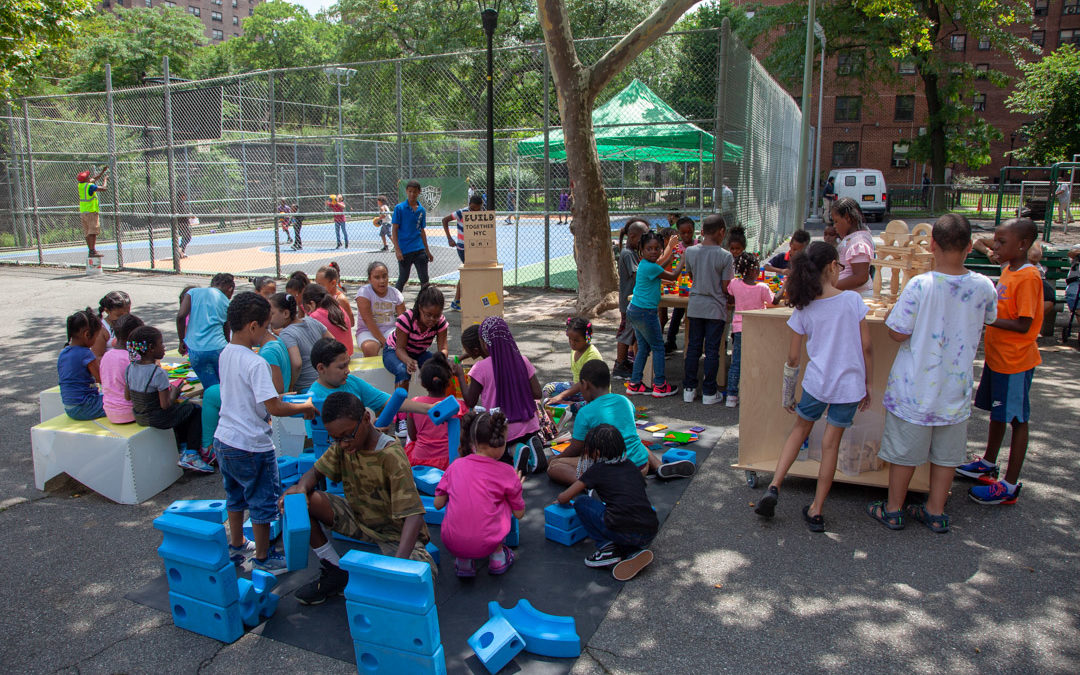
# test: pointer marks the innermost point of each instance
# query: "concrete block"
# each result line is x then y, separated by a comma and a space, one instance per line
562, 517
679, 454
210, 510
427, 479
372, 658
219, 623
217, 587
275, 529
496, 644
418, 633
544, 634
564, 537
432, 515
296, 531
256, 600
192, 541
393, 583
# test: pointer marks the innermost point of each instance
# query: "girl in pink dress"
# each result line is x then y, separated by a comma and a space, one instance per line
113, 364
430, 445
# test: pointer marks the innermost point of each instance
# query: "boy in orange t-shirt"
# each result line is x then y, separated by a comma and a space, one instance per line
1011, 356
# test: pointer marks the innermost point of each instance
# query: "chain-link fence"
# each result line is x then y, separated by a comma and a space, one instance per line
198, 171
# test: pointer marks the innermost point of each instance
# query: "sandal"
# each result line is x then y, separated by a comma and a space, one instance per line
501, 569
894, 520
939, 524
815, 523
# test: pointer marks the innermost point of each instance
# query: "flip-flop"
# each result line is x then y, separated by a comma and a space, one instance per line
894, 520
815, 523
938, 524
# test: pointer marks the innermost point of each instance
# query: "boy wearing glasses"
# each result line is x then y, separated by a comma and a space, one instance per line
381, 505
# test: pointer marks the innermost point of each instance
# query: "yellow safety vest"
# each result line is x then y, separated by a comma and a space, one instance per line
88, 203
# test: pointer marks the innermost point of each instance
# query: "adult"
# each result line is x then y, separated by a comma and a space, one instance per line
186, 222
828, 196
856, 247
727, 206
410, 237
201, 325
925, 189
337, 205
90, 207
1064, 197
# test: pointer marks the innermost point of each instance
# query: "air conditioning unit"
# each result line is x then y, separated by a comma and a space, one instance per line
899, 163
1073, 9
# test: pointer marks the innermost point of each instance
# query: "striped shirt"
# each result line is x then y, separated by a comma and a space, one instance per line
418, 339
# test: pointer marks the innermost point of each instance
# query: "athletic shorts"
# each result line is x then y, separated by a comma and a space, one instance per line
1006, 396
89, 223
908, 444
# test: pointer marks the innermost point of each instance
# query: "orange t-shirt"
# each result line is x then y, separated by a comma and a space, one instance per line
1020, 294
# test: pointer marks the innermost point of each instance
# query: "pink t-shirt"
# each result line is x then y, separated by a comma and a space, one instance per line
857, 247
483, 494
430, 447
117, 408
483, 373
342, 336
747, 297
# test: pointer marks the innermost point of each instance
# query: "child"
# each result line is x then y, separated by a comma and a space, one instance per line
837, 377
298, 336
749, 294
476, 203
937, 320
329, 277
155, 401
321, 306
264, 286
582, 350
381, 505
295, 286
200, 323
378, 305
409, 233
480, 494
285, 209
710, 266
1011, 356
110, 308
781, 262
242, 442
382, 221
79, 369
685, 228
629, 255
407, 347
331, 362
113, 365
430, 446
620, 519
337, 205
643, 317
855, 246
736, 241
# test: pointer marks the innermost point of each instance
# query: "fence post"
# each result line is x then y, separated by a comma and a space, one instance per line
18, 223
377, 168
33, 181
722, 62
112, 166
400, 141
274, 192
171, 165
547, 172
296, 172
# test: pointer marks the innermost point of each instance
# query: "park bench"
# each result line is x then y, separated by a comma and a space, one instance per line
1055, 260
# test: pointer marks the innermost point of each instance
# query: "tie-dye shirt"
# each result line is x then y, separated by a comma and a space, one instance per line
931, 378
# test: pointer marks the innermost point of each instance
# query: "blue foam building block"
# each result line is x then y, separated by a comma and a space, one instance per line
393, 583
496, 643
335, 488
219, 623
275, 529
286, 467
290, 481
565, 537
304, 462
544, 634
513, 539
392, 407
372, 658
192, 541
562, 517
445, 409
296, 531
427, 479
256, 600
366, 545
417, 633
320, 439
210, 510
432, 515
679, 454
217, 587
433, 550
453, 436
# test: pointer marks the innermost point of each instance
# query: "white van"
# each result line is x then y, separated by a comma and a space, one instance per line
866, 186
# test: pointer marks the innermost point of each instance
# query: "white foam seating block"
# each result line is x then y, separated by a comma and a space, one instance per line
288, 434
50, 403
127, 463
370, 369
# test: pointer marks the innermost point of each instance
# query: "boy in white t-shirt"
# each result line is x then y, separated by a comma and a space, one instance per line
938, 320
242, 441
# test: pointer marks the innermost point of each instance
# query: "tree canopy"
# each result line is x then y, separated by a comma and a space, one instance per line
1050, 93
34, 33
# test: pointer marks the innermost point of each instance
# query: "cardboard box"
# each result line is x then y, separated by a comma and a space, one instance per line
480, 247
481, 293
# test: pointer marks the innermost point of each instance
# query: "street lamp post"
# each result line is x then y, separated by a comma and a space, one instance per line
337, 73
489, 16
804, 137
814, 217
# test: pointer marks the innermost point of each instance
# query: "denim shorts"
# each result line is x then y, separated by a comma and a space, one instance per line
91, 408
251, 481
840, 415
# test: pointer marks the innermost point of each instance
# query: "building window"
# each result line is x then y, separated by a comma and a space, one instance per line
978, 103
900, 154
1069, 37
236, 21
984, 44
217, 34
848, 108
215, 2
849, 63
251, 12
905, 108
1071, 7
845, 154
236, 34
957, 43
215, 16
1038, 37
120, 3
1040, 7
195, 11
149, 3
170, 3
234, 4
981, 69
906, 68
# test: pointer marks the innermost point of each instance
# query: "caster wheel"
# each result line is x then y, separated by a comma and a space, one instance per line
751, 479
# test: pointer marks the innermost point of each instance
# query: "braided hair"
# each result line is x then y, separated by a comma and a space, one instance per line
141, 341
582, 327
746, 266
113, 300
84, 319
605, 443
481, 426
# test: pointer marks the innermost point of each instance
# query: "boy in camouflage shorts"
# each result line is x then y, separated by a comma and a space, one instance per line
381, 505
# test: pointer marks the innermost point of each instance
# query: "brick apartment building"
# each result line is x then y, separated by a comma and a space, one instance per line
874, 131
222, 18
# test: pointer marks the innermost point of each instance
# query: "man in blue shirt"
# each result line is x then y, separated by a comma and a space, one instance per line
410, 237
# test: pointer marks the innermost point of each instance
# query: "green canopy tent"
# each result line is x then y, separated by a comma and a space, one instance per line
636, 125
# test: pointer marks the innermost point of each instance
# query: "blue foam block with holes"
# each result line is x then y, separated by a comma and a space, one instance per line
445, 409
393, 583
678, 455
496, 644
210, 510
562, 517
257, 602
275, 529
426, 478
544, 634
304, 462
372, 658
392, 407
296, 531
219, 623
418, 633
564, 537
432, 515
433, 551
334, 487
192, 541
320, 439
289, 482
513, 539
286, 467
218, 587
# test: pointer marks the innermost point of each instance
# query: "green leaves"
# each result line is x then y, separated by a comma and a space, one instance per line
35, 33
1050, 93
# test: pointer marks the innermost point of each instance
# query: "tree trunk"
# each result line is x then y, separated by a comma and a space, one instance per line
936, 131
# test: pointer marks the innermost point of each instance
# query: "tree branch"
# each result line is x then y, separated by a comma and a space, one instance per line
559, 39
636, 41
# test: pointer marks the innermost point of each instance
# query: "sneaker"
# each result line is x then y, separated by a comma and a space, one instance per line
634, 389
665, 389
522, 454
332, 581
402, 429
688, 395
622, 371
385, 248
995, 492
465, 568
538, 461
670, 347
632, 564
683, 468
508, 560
190, 460
274, 563
732, 401
605, 556
977, 469
766, 506
455, 306
240, 554
711, 399
208, 455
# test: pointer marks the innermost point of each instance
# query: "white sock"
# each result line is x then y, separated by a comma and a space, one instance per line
329, 554
498, 557
1009, 486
